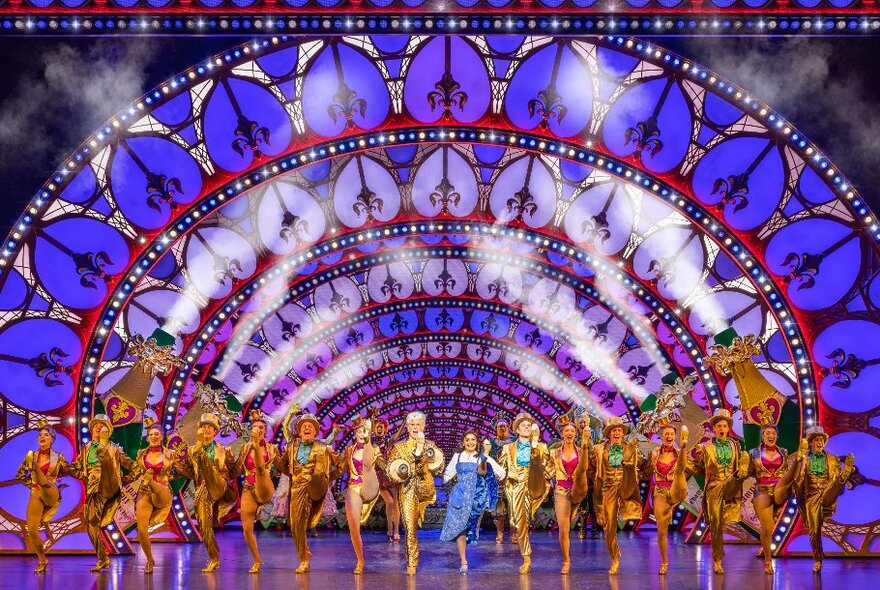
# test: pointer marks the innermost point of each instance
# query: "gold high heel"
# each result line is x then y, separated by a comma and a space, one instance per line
768, 567
42, 564
718, 568
255, 569
101, 565
615, 567
664, 567
526, 566
303, 567
817, 567
359, 568
566, 567
148, 569
211, 566
410, 570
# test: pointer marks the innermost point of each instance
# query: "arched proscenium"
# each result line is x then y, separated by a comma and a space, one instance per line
797, 284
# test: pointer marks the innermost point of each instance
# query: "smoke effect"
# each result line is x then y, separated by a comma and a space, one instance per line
66, 94
819, 85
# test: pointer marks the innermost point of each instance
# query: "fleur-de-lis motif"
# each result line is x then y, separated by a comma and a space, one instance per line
390, 286
345, 102
663, 267
596, 227
733, 189
90, 266
444, 281
599, 332
404, 350
248, 371
162, 190
408, 373
366, 203
289, 330
499, 287
354, 337
522, 202
338, 301
573, 364
482, 352
646, 136
845, 366
447, 91
607, 398
803, 268
639, 373
549, 105
225, 268
444, 194
444, 319
314, 361
443, 348
534, 338
398, 323
49, 366
489, 323
550, 303
293, 225
279, 394
368, 364
249, 135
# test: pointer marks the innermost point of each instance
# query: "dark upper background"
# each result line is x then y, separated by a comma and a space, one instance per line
55, 92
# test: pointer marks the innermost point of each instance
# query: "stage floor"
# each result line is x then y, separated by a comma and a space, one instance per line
493, 567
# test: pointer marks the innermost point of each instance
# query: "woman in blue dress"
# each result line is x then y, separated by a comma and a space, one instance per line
469, 496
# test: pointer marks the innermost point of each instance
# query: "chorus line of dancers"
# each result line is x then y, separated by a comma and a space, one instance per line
404, 472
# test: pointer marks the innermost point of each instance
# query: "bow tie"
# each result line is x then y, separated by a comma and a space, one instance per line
154, 449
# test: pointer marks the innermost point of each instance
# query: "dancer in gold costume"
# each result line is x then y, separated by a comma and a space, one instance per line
413, 464
724, 465
311, 465
773, 474
40, 471
152, 469
500, 512
100, 466
668, 465
570, 465
360, 460
210, 465
819, 480
255, 461
527, 466
616, 465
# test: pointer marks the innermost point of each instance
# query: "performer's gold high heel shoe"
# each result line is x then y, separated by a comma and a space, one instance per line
42, 564
615, 567
303, 567
768, 567
817, 567
359, 568
255, 569
101, 565
148, 569
718, 568
664, 567
410, 570
526, 566
566, 567
211, 566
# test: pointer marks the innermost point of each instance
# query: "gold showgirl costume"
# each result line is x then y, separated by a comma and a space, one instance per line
415, 474
210, 467
616, 488
724, 465
159, 473
365, 485
245, 465
29, 474
526, 484
772, 490
311, 467
818, 481
99, 466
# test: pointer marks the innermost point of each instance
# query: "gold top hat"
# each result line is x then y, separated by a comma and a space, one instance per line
814, 431
358, 422
149, 422
519, 419
721, 414
41, 424
103, 419
306, 418
209, 418
615, 422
